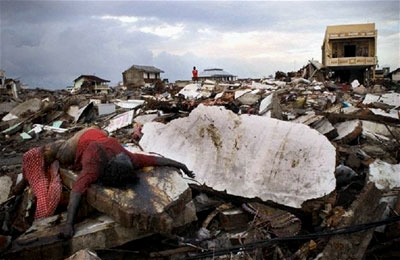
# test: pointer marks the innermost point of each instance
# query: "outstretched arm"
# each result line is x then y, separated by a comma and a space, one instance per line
142, 160
89, 174
162, 161
67, 230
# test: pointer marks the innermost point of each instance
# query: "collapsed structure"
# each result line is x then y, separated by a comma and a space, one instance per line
91, 84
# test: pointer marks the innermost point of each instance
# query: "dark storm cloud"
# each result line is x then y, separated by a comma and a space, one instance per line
50, 43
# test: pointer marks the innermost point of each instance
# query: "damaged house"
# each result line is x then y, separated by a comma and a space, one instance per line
350, 51
137, 76
216, 74
92, 84
9, 86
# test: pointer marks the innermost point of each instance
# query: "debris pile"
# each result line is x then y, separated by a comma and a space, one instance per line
285, 168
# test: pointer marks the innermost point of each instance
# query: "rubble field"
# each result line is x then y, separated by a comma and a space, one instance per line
285, 169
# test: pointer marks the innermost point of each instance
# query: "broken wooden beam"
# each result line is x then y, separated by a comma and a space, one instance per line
336, 117
366, 208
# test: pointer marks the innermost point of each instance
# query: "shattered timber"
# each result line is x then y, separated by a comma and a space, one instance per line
300, 166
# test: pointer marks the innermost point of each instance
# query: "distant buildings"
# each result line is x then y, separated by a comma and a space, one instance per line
137, 75
92, 84
216, 74
350, 51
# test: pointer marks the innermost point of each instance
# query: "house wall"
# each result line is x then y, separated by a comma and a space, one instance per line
79, 83
133, 78
396, 76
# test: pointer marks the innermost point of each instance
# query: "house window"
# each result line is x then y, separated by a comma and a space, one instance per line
349, 51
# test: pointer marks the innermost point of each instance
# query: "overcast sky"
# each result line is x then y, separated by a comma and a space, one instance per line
50, 43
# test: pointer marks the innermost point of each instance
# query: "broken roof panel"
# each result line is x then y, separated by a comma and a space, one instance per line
215, 72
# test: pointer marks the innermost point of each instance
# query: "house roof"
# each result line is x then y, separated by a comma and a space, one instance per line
215, 72
146, 68
395, 71
350, 28
91, 78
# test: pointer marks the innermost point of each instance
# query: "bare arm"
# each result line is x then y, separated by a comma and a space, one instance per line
141, 160
89, 174
162, 161
67, 230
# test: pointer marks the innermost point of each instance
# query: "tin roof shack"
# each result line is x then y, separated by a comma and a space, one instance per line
9, 86
350, 51
217, 75
136, 76
92, 84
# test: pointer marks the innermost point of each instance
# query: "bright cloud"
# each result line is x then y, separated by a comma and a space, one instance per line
122, 19
164, 30
150, 25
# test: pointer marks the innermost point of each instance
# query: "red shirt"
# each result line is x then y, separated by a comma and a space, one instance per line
94, 151
194, 73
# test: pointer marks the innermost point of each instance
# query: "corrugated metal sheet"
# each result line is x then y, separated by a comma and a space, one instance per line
215, 72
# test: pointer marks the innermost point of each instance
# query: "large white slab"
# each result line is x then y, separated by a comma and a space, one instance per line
249, 156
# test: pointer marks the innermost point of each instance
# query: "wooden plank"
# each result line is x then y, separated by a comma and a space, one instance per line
366, 208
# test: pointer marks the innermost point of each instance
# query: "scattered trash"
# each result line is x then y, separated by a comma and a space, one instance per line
120, 121
275, 159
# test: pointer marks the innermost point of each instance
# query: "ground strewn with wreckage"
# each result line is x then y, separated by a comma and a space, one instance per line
284, 170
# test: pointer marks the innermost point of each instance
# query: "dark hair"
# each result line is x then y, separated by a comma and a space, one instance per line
118, 172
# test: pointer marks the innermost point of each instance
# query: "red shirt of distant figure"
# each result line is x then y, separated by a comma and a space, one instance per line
94, 151
194, 74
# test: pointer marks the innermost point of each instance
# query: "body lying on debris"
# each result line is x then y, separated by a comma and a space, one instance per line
98, 157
